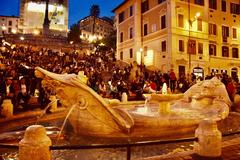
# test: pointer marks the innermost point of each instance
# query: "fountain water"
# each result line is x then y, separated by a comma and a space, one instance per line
94, 116
164, 89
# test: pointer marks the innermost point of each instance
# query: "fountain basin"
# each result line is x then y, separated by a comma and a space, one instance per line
92, 116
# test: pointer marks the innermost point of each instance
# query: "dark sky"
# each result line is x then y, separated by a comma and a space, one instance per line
78, 8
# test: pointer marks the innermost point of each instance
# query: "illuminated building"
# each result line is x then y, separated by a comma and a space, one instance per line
32, 16
102, 28
200, 36
8, 25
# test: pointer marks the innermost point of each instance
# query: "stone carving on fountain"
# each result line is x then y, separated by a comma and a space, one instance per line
93, 115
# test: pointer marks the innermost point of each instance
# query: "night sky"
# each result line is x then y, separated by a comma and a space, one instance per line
78, 8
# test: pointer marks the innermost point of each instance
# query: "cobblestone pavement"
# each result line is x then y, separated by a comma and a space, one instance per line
230, 151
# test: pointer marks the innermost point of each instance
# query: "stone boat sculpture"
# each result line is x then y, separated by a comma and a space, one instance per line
93, 115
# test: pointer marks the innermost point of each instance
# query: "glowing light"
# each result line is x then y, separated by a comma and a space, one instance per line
101, 44
71, 42
4, 27
36, 32
82, 37
91, 38
22, 38
100, 37
14, 31
36, 7
198, 14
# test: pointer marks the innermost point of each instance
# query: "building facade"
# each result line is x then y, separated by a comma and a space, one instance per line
90, 31
9, 25
189, 36
32, 15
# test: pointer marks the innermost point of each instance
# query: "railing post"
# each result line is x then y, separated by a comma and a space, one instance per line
35, 144
209, 139
124, 97
128, 152
7, 108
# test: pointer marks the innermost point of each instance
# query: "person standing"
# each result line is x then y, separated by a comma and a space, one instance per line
173, 80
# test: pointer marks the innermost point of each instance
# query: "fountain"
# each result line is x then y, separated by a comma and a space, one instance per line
172, 114
118, 122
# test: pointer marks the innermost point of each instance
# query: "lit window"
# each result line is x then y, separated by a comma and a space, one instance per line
181, 45
180, 21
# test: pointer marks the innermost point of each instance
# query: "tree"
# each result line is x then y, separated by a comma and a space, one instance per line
95, 12
74, 33
111, 40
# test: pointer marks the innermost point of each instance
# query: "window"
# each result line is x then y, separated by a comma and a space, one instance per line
10, 23
130, 33
161, 1
121, 17
145, 6
131, 53
192, 46
234, 33
154, 27
181, 45
200, 48
164, 46
224, 6
121, 37
225, 51
199, 2
212, 29
234, 8
180, 21
130, 11
145, 29
199, 24
9, 30
121, 55
213, 4
145, 49
225, 31
163, 22
212, 49
235, 52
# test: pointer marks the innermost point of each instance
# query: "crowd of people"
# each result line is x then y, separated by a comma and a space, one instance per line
107, 77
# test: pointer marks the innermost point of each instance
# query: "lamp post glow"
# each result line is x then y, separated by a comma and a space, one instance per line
22, 38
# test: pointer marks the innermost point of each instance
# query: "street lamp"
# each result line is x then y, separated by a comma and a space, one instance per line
191, 44
195, 18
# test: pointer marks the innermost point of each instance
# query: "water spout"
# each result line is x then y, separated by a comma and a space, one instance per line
65, 120
164, 89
